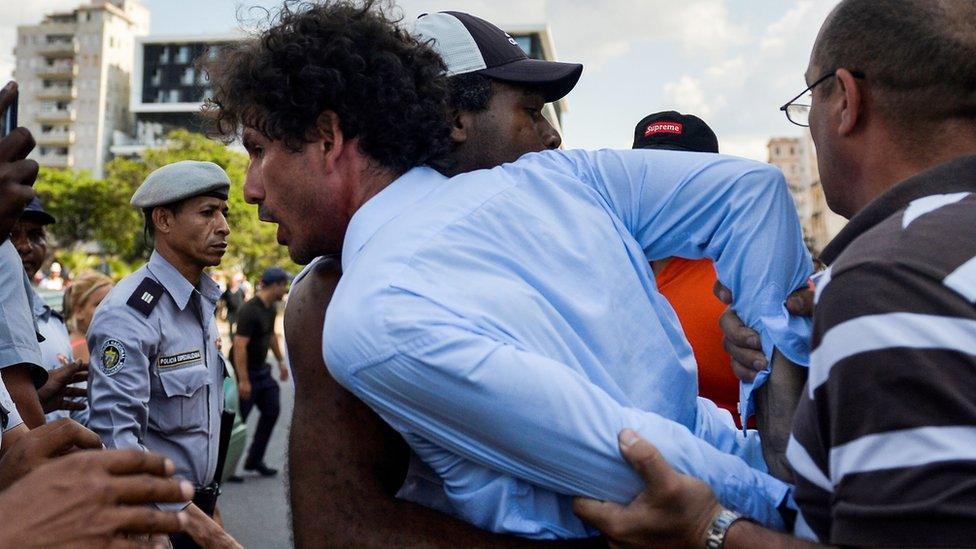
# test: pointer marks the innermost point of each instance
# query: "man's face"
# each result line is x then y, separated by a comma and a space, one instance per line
510, 127
199, 230
30, 239
279, 290
294, 190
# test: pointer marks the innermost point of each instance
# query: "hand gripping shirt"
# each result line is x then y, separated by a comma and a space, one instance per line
507, 324
156, 379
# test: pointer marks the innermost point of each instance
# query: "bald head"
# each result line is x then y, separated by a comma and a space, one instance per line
919, 56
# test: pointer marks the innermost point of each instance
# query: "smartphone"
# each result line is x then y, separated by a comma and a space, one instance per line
8, 122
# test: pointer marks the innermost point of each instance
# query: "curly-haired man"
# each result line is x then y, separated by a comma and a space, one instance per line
504, 321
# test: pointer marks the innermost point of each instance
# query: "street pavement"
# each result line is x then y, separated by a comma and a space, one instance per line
256, 512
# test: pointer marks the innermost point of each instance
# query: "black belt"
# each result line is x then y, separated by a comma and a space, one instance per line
205, 497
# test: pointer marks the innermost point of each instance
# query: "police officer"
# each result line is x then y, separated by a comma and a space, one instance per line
156, 376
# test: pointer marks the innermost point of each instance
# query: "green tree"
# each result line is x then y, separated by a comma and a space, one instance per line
92, 210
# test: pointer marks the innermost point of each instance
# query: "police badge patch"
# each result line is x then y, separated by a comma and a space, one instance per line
113, 356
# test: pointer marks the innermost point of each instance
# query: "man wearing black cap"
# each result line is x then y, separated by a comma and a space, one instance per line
497, 92
29, 237
688, 283
255, 335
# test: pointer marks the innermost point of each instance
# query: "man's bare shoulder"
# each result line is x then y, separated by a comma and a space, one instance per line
311, 294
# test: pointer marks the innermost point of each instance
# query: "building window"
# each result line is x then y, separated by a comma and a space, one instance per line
183, 57
164, 55
174, 96
188, 76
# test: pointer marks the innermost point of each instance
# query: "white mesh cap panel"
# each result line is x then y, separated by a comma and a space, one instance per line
452, 41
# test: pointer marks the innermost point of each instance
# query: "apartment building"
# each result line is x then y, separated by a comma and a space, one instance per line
73, 69
796, 157
168, 88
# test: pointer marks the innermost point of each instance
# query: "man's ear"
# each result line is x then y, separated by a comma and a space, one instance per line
162, 219
852, 97
462, 125
327, 126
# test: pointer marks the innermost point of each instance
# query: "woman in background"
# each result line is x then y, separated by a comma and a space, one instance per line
87, 290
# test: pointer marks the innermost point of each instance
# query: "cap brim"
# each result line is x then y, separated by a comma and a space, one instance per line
555, 79
43, 218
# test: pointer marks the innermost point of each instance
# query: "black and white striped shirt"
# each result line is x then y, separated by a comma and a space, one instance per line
884, 439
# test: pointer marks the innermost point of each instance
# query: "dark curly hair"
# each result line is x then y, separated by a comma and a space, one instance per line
386, 88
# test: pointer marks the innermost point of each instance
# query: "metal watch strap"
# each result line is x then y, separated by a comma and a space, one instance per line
715, 537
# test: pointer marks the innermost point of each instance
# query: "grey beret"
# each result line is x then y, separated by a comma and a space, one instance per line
179, 181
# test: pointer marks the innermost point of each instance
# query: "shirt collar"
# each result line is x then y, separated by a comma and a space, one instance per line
390, 202
957, 175
178, 287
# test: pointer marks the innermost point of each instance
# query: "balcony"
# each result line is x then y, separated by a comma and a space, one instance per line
58, 71
56, 116
53, 160
56, 138
58, 49
58, 93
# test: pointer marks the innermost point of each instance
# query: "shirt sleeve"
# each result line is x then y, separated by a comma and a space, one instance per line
248, 324
121, 342
18, 333
737, 212
530, 417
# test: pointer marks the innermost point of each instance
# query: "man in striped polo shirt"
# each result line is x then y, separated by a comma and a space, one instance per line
884, 438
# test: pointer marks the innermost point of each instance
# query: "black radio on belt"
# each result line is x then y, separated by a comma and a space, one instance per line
206, 498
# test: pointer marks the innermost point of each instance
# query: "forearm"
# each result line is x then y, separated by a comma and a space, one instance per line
276, 348
240, 362
748, 535
21, 388
776, 402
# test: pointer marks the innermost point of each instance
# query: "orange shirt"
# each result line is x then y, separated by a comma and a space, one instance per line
687, 285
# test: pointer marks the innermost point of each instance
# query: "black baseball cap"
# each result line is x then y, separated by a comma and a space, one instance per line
469, 44
674, 131
35, 211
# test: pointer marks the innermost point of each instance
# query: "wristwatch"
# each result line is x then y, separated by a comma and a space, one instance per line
715, 536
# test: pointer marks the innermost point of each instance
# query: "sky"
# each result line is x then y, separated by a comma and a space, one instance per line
731, 62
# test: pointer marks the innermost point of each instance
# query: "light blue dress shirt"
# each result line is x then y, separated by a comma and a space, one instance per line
507, 324
156, 380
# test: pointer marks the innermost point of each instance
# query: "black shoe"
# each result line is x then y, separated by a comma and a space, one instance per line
262, 469
235, 478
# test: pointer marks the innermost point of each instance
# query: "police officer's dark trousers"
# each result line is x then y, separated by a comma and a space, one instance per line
266, 395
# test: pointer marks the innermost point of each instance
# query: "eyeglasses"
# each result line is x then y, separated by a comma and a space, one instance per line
799, 113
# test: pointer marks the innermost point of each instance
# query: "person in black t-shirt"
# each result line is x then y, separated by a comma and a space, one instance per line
255, 385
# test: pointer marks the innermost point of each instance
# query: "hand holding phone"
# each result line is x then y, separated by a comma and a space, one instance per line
17, 174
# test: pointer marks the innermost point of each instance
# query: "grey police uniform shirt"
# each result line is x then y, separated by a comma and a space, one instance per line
56, 342
18, 336
18, 331
156, 381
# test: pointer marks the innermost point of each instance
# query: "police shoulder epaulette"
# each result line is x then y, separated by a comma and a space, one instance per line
146, 296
